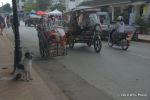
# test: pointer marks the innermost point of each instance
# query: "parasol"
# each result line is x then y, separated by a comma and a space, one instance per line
40, 13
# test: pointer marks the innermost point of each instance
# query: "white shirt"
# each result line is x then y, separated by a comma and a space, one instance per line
120, 27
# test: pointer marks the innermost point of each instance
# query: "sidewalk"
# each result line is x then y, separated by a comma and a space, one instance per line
19, 90
144, 38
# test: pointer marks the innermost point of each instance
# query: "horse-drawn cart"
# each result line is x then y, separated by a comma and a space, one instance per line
52, 41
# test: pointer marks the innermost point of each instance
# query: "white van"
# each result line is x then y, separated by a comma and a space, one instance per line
105, 22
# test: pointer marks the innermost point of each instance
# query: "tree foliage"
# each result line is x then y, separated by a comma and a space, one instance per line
17, 1
0, 9
43, 4
28, 7
58, 6
143, 24
6, 8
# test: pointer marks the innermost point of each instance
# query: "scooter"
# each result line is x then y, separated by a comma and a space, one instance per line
121, 40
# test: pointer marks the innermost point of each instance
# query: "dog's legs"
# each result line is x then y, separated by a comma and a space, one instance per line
26, 76
30, 76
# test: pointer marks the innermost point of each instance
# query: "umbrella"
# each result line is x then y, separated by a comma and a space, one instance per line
32, 12
40, 13
34, 16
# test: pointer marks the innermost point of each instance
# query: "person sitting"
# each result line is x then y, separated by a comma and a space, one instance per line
119, 30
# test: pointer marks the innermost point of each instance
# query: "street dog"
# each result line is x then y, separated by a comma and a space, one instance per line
23, 70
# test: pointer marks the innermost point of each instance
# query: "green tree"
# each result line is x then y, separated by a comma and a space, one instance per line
17, 1
0, 9
143, 24
43, 4
7, 8
28, 7
58, 6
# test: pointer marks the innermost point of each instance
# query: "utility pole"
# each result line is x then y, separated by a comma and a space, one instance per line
17, 52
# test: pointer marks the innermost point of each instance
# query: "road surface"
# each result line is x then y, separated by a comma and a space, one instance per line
83, 74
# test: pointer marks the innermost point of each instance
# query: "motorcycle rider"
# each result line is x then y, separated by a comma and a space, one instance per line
118, 31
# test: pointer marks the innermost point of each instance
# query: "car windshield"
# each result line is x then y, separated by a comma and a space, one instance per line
103, 19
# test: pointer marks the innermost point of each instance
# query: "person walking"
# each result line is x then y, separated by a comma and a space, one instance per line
2, 23
8, 21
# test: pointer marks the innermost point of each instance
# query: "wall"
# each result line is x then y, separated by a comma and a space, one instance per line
148, 9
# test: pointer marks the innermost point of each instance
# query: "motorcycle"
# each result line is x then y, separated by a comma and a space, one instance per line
135, 34
121, 40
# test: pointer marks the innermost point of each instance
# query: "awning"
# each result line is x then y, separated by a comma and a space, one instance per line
98, 3
55, 12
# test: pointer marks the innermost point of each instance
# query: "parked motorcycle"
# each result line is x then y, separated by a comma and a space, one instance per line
121, 40
136, 33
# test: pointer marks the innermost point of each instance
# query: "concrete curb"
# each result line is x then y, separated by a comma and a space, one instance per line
144, 41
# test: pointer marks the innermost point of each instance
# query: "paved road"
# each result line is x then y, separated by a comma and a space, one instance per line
112, 73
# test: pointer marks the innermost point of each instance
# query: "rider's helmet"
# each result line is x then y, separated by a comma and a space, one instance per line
120, 18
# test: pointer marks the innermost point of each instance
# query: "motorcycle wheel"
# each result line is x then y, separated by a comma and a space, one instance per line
124, 44
29, 25
97, 44
109, 42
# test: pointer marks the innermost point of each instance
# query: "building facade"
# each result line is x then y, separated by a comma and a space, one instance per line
130, 9
70, 4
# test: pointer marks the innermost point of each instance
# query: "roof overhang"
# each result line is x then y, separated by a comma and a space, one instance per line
138, 3
113, 4
102, 3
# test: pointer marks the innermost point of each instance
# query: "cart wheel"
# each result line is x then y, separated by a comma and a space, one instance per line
97, 44
41, 47
71, 42
46, 50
